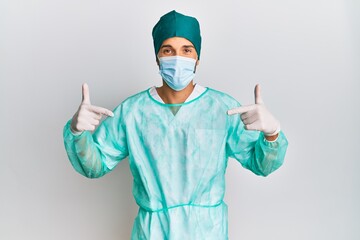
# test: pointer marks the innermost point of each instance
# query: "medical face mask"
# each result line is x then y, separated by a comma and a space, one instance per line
177, 71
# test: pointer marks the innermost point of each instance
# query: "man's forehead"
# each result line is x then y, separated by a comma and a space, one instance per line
176, 41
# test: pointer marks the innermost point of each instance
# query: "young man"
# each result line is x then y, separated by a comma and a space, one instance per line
178, 138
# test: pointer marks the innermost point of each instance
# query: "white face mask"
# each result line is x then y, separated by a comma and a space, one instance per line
177, 71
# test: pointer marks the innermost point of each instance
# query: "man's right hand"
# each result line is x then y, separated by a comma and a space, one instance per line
88, 116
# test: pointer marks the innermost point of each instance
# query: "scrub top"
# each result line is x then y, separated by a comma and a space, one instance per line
177, 159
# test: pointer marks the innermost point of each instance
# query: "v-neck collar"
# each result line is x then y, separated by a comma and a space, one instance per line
174, 109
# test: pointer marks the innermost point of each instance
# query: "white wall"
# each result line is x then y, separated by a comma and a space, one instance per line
306, 55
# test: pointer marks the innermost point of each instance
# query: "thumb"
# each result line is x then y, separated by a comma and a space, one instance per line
258, 98
85, 94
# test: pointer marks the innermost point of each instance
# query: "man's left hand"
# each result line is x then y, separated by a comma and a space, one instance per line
257, 117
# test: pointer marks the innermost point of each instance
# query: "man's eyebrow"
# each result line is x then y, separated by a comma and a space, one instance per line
167, 45
184, 46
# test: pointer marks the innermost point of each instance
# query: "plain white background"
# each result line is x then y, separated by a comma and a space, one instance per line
305, 54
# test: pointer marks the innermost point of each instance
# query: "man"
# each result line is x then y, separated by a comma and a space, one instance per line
178, 138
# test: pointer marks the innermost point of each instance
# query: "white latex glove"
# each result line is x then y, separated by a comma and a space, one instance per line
88, 116
257, 117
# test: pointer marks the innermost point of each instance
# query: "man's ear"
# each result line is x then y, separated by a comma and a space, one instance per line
197, 62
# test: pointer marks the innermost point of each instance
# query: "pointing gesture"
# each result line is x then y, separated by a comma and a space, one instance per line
257, 117
88, 116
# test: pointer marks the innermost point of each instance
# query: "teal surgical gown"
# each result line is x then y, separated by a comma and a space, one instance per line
178, 161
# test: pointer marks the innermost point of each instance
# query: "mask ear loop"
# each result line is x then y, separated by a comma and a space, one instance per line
195, 67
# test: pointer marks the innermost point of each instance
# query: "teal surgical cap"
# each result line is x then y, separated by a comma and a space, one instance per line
174, 24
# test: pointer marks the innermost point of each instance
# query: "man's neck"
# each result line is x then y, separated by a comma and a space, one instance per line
170, 96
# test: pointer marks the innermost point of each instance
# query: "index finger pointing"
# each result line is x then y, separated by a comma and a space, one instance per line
257, 92
241, 109
102, 111
85, 94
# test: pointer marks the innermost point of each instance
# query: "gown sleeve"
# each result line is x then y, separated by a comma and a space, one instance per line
252, 150
94, 155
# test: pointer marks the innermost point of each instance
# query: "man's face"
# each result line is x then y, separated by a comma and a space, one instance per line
178, 46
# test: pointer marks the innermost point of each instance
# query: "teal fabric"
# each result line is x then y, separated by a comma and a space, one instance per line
178, 161
174, 24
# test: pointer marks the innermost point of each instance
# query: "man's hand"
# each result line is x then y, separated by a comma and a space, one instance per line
88, 116
257, 117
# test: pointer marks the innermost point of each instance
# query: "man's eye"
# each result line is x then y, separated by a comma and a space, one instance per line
187, 51
166, 51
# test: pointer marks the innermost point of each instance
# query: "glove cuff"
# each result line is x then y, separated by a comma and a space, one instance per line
277, 130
